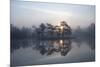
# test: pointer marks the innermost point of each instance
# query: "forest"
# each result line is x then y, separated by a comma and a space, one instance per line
47, 30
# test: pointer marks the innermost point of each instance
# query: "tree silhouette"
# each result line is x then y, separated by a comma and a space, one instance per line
42, 28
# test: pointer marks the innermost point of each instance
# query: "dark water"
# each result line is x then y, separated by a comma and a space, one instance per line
33, 52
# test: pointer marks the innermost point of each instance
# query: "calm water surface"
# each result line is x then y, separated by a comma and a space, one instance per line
33, 52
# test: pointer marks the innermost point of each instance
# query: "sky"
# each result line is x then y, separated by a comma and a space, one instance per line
28, 13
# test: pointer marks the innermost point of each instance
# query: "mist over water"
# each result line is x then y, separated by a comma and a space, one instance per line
50, 33
30, 52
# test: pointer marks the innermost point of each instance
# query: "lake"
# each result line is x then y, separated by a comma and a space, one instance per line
36, 52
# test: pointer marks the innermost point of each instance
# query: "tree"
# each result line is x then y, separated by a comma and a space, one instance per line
42, 28
50, 28
66, 28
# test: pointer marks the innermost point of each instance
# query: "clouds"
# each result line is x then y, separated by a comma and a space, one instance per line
29, 13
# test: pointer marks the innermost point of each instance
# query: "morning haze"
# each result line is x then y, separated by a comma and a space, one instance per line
51, 33
34, 13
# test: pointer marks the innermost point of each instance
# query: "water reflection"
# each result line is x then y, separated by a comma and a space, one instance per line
51, 46
51, 51
90, 42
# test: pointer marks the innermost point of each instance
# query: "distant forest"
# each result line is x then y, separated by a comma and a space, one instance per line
48, 30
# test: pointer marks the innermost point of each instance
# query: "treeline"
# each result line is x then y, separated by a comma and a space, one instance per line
43, 30
35, 32
85, 33
17, 33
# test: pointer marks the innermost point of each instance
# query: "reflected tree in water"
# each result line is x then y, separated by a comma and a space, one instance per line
53, 37
54, 46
